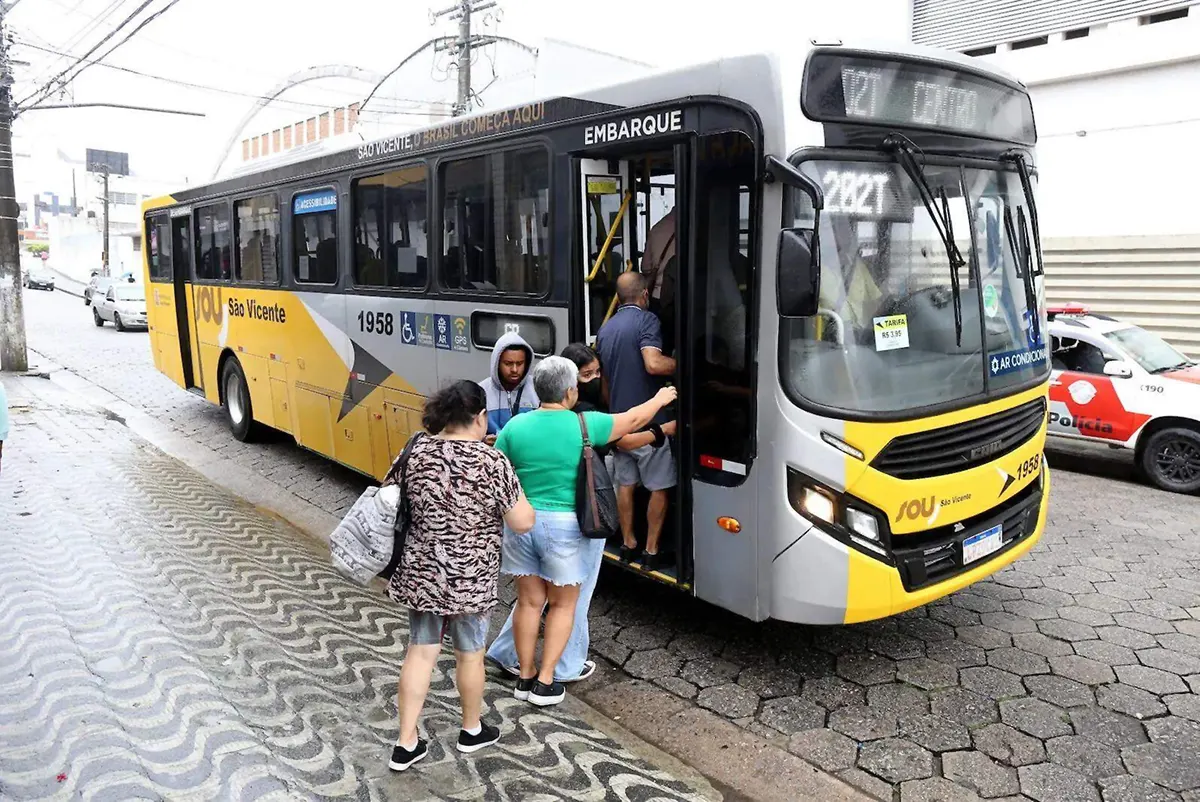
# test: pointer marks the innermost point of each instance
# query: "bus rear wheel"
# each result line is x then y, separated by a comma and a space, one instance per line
235, 398
1171, 459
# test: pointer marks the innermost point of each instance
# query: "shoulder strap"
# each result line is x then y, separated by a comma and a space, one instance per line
396, 472
516, 404
589, 476
587, 441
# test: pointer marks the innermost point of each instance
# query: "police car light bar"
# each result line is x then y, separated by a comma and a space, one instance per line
1066, 309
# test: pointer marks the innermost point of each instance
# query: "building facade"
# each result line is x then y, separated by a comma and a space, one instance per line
1116, 92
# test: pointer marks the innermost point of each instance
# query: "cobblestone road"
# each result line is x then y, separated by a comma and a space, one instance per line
1072, 675
160, 639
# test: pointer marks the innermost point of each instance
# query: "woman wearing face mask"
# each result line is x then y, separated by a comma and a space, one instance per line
574, 665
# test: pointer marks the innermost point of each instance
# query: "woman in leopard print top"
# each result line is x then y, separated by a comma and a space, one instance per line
460, 494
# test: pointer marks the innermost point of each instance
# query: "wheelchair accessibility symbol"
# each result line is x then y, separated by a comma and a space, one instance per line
408, 328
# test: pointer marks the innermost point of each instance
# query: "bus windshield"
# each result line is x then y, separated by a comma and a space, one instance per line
888, 338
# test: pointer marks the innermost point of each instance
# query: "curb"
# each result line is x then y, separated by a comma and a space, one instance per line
242, 482
742, 764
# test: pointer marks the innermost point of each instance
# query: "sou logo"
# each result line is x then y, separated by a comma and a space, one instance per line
209, 305
916, 508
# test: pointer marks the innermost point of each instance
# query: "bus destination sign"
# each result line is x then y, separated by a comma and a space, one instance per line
880, 91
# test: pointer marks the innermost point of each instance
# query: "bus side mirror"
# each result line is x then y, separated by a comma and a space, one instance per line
798, 272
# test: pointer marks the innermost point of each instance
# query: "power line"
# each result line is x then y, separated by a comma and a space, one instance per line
48, 87
222, 90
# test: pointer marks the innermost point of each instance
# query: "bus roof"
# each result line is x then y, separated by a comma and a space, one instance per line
739, 77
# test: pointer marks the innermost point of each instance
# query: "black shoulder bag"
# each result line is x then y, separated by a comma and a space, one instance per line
399, 472
595, 497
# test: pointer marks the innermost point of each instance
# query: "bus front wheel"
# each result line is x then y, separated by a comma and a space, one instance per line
235, 398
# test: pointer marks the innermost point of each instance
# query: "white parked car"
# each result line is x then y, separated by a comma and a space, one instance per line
124, 305
1116, 383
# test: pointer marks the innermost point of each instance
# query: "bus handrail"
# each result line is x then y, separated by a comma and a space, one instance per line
612, 233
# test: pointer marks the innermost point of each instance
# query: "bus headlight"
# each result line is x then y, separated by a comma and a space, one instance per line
847, 519
817, 505
863, 524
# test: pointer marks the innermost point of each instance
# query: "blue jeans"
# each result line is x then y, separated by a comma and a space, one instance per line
504, 650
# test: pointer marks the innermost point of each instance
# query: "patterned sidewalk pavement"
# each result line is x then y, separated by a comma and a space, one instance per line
161, 639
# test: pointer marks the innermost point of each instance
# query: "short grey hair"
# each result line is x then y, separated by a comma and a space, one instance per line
553, 377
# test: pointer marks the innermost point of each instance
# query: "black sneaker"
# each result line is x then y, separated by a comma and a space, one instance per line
546, 695
403, 758
524, 686
628, 553
487, 736
651, 562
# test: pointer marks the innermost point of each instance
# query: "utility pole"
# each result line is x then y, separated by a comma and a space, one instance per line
463, 45
104, 173
14, 354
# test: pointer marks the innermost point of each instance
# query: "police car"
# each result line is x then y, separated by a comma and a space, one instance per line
1118, 384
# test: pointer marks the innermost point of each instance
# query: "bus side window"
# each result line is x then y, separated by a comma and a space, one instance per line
390, 246
213, 243
495, 221
314, 237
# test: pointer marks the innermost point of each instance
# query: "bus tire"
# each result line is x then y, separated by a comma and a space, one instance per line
1171, 459
235, 398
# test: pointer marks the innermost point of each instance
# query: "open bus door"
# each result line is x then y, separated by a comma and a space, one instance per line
181, 252
621, 200
608, 209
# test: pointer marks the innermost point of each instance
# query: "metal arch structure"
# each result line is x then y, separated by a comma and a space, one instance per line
295, 79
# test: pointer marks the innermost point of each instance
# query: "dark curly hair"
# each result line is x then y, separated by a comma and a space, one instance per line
455, 405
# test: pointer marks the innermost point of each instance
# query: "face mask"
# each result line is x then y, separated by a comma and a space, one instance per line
590, 391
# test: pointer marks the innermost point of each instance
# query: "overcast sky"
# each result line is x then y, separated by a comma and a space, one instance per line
247, 47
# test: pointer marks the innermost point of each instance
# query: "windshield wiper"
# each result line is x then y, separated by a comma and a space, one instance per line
1018, 240
1187, 363
904, 151
1018, 158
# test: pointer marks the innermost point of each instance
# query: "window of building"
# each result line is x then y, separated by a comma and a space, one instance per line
314, 237
981, 51
390, 229
1078, 33
1034, 42
158, 234
257, 221
495, 223
1163, 16
212, 243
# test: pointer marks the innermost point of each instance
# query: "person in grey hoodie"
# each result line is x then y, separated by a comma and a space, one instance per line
508, 389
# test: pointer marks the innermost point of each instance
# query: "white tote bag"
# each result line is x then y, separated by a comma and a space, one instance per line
361, 545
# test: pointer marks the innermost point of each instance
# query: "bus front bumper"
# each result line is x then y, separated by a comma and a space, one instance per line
821, 580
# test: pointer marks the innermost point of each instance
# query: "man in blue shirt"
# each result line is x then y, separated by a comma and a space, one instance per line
630, 345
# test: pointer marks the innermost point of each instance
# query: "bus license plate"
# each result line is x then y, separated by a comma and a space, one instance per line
976, 547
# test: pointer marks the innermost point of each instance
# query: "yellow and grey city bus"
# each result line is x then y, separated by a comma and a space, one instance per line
856, 304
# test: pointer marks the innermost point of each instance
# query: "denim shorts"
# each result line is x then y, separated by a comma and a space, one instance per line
467, 632
554, 550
